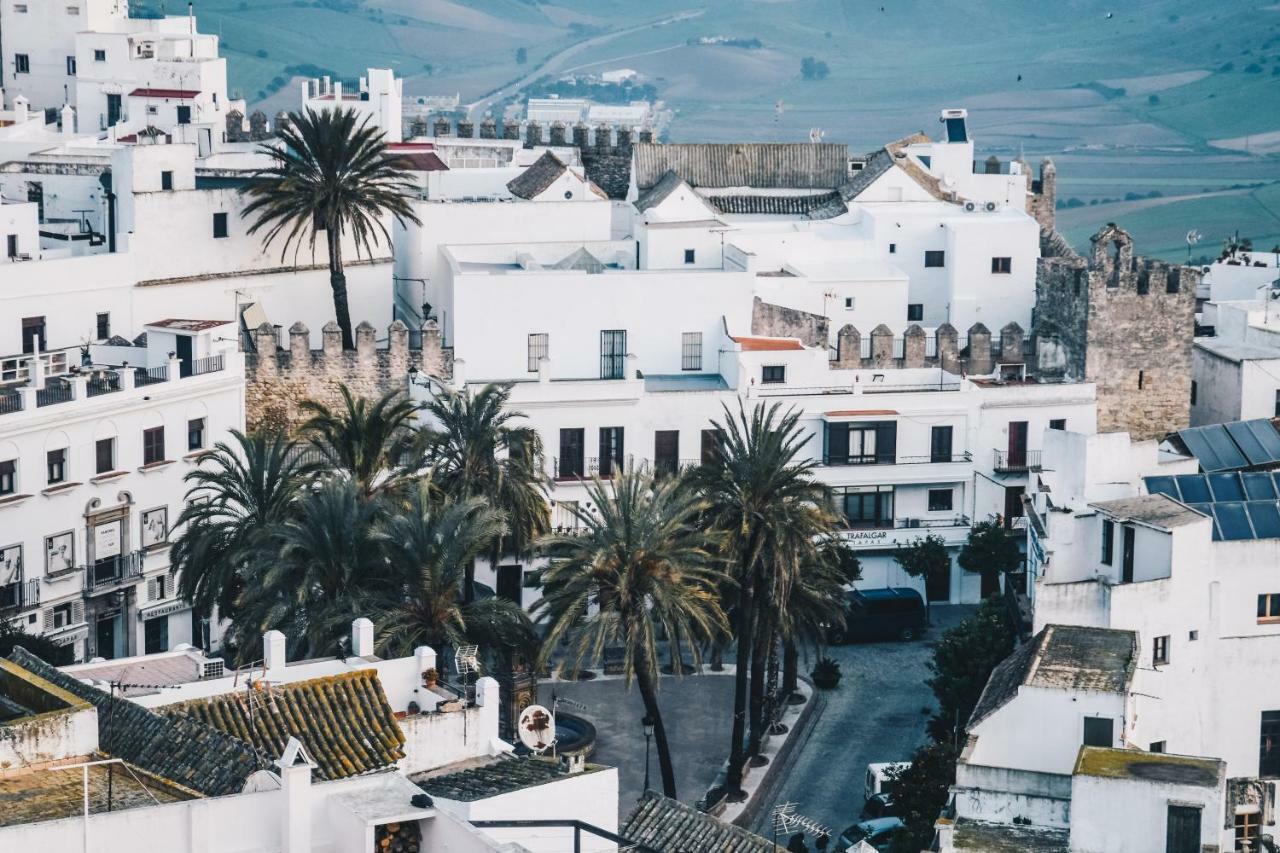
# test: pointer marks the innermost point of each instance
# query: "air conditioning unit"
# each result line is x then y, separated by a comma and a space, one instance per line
989, 207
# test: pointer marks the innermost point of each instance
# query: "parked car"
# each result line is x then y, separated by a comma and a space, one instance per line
878, 833
893, 613
878, 793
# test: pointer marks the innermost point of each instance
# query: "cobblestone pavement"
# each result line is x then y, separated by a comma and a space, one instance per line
878, 713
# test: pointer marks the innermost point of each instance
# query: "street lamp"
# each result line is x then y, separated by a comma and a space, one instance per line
646, 723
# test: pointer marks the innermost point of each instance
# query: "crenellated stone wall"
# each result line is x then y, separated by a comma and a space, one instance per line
278, 379
977, 354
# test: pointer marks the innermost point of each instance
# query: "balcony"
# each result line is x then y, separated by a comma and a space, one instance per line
103, 382
896, 460
1017, 462
890, 533
576, 468
96, 381
113, 572
55, 391
19, 595
150, 375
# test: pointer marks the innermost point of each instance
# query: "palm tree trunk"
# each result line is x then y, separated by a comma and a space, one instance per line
649, 695
338, 283
746, 619
790, 669
759, 657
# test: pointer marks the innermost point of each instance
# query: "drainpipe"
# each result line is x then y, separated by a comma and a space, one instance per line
110, 196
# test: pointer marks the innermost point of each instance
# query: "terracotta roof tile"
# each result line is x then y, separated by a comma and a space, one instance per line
669, 826
763, 165
768, 344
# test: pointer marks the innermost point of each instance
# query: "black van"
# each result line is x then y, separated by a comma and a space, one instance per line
893, 613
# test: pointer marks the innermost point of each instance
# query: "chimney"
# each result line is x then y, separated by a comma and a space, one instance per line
295, 766
273, 652
362, 638
68, 120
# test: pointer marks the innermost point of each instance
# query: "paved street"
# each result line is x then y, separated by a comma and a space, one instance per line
875, 715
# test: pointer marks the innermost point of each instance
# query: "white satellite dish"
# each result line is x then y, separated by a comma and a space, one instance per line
537, 728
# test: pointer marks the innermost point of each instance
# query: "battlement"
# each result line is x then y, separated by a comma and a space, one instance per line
978, 353
278, 378
602, 138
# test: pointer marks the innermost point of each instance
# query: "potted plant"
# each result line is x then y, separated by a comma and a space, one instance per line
826, 673
430, 677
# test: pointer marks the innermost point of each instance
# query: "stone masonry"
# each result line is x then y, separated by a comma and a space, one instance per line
277, 380
1122, 322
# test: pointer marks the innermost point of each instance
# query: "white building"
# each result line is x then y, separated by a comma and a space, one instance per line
379, 99
38, 58
367, 756
1236, 366
91, 484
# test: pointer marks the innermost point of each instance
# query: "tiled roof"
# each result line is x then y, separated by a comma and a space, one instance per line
657, 193
669, 826
894, 154
875, 166
762, 165
344, 721
181, 94
1067, 657
1157, 510
534, 180
500, 777
179, 749
820, 206
749, 344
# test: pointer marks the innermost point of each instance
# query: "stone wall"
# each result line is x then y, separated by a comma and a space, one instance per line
1043, 200
277, 380
777, 321
977, 354
1126, 324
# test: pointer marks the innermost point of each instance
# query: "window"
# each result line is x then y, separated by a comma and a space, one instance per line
219, 226
1195, 388
1097, 731
1268, 607
1058, 423
1142, 376
99, 56
893, 248
1246, 831
20, 8
666, 451
166, 180
103, 325
73, 10
867, 506
570, 461
1193, 635
1157, 746
8, 476
1160, 650
33, 334
861, 443
56, 461
1108, 541
940, 500
539, 348
1269, 745
105, 455
11, 245
915, 313
1002, 266
71, 66
613, 354
691, 351
689, 256
184, 115
152, 445
1277, 408
936, 258
712, 446
611, 461
62, 616
773, 374
940, 444
21, 63
195, 434
849, 303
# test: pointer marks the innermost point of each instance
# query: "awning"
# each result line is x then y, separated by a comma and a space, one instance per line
163, 608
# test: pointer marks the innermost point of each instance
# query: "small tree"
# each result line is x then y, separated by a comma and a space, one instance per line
48, 651
990, 552
813, 69
522, 55
925, 558
962, 664
920, 790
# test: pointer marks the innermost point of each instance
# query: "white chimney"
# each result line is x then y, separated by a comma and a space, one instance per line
295, 768
68, 120
273, 652
362, 638
20, 109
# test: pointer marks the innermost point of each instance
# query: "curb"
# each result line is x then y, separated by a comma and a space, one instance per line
785, 757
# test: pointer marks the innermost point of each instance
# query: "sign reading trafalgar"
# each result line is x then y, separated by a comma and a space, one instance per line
106, 540
863, 536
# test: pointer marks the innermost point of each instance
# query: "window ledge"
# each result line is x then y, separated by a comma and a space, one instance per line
1269, 620
10, 500
159, 546
60, 488
197, 455
108, 476
155, 466
54, 577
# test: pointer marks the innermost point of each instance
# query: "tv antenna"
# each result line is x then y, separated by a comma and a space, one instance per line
784, 818
1193, 237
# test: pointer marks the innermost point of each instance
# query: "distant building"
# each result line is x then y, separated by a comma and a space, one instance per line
378, 99
619, 75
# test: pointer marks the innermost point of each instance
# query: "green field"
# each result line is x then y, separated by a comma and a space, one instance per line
1126, 103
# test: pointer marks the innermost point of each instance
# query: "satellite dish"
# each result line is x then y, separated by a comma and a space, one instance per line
1193, 237
537, 728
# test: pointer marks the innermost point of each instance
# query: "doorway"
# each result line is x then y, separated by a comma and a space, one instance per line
1017, 444
184, 354
1126, 556
1183, 830
107, 636
156, 635
114, 110
937, 585
510, 580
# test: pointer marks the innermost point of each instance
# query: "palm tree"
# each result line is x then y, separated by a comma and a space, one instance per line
816, 605
332, 173
646, 565
429, 548
239, 496
769, 506
478, 449
371, 442
322, 574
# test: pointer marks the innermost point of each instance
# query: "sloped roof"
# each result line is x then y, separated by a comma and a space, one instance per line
894, 154
826, 204
179, 749
344, 721
1067, 657
755, 344
658, 193
580, 260
669, 826
533, 181
762, 165
499, 777
1157, 510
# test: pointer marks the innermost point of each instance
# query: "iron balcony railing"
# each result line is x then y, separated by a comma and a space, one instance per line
20, 594
112, 572
578, 468
55, 391
885, 459
10, 401
212, 364
150, 375
907, 523
1017, 461
103, 383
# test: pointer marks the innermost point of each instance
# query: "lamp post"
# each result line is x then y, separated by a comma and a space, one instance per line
646, 723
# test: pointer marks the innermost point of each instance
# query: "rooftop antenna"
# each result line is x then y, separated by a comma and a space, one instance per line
465, 663
784, 818
1193, 237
